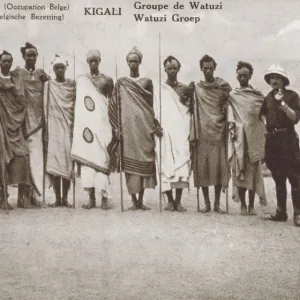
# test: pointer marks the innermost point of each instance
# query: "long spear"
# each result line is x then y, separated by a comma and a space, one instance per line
44, 138
226, 155
120, 135
160, 171
73, 162
196, 146
2, 170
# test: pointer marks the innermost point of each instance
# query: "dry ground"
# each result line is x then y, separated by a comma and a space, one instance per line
60, 253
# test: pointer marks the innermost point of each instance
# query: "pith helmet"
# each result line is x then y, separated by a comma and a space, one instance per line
276, 69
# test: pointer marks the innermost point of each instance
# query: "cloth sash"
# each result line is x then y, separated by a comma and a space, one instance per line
208, 110
175, 121
137, 121
92, 130
245, 105
59, 108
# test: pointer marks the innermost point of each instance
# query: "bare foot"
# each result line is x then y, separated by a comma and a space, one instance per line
134, 206
57, 203
105, 204
180, 208
91, 204
142, 206
251, 211
65, 203
206, 209
35, 202
219, 210
170, 206
2, 205
243, 210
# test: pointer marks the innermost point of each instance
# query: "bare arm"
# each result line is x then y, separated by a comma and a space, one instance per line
109, 88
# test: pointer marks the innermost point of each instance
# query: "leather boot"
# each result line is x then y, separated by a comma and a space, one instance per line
280, 215
296, 204
56, 188
92, 200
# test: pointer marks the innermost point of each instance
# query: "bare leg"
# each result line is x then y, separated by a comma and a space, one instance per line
66, 186
206, 200
2, 201
24, 196
171, 202
242, 195
178, 205
56, 188
134, 203
217, 208
104, 201
251, 210
92, 200
140, 201
34, 200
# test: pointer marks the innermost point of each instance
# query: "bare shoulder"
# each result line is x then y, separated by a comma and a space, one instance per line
71, 82
147, 81
108, 79
183, 86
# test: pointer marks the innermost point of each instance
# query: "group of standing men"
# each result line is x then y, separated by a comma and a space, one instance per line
205, 127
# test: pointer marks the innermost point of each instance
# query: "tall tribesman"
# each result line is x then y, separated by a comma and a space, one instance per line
14, 154
133, 96
59, 102
92, 130
34, 80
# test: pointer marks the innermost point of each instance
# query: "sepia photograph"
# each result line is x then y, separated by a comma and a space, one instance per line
149, 150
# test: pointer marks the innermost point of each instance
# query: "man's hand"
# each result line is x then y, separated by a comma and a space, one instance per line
232, 130
158, 131
44, 78
191, 86
117, 134
233, 134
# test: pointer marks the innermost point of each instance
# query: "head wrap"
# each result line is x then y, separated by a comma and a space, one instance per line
58, 60
136, 51
276, 69
27, 46
94, 53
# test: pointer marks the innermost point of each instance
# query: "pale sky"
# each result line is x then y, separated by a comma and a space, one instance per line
259, 31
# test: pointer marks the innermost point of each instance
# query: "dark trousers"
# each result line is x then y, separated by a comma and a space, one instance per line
281, 191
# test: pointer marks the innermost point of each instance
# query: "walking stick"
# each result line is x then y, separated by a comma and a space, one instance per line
226, 155
3, 187
120, 136
2, 179
44, 135
73, 162
159, 174
196, 146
